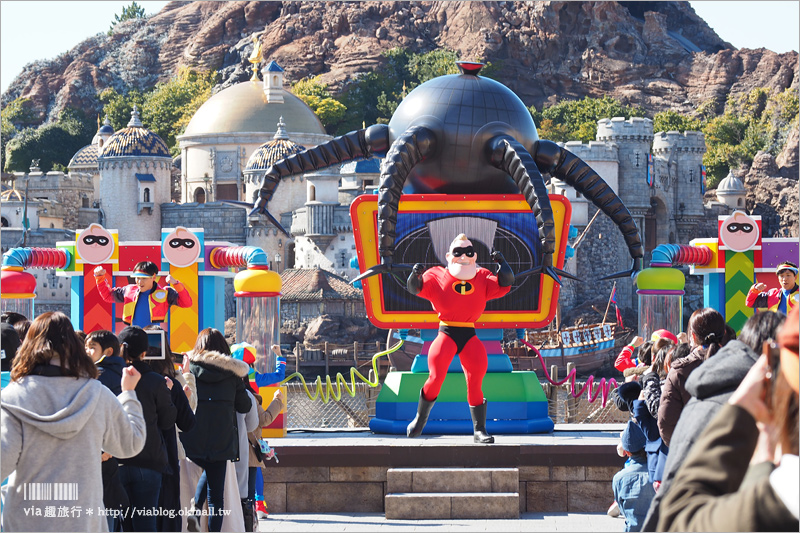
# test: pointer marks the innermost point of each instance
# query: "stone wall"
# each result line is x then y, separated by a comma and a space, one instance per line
222, 222
362, 489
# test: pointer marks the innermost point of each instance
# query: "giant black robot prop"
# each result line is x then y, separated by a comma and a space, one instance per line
465, 134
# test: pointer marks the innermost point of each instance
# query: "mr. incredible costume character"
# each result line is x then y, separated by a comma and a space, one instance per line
143, 312
458, 294
781, 300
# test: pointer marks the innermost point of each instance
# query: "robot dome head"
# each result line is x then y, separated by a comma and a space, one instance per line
466, 110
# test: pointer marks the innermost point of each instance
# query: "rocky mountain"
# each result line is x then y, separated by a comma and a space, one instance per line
660, 55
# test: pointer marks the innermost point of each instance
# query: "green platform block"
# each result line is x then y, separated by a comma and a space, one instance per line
497, 387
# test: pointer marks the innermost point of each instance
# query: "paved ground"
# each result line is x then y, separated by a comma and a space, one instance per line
377, 523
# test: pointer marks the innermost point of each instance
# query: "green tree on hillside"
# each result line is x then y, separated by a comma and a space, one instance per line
571, 120
133, 11
118, 106
673, 121
758, 120
53, 144
317, 96
15, 116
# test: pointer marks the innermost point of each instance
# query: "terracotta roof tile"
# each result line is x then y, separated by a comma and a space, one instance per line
314, 284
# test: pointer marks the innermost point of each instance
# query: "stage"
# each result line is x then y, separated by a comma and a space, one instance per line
567, 470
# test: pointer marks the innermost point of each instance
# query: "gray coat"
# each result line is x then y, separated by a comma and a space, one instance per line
710, 385
54, 429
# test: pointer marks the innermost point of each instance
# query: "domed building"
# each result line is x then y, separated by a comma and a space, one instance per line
226, 130
134, 181
84, 162
731, 192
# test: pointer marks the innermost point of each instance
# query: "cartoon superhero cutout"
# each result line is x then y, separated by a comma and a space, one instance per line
181, 247
95, 245
458, 294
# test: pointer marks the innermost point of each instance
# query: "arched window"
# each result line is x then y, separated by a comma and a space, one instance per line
4, 222
146, 195
312, 193
200, 195
85, 201
739, 202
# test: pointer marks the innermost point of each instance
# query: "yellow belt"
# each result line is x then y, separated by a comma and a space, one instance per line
457, 324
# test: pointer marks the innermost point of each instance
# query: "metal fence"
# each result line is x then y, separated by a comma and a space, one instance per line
355, 412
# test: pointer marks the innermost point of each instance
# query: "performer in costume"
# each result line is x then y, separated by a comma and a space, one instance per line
146, 311
458, 294
782, 300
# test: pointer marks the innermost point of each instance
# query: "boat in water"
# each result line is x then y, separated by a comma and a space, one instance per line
590, 348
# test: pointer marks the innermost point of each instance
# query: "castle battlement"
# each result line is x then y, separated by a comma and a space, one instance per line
689, 141
618, 129
593, 151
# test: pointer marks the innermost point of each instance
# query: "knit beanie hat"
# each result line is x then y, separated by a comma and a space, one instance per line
633, 439
788, 340
136, 339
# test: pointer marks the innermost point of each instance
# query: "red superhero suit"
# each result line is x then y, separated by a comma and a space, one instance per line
458, 294
459, 304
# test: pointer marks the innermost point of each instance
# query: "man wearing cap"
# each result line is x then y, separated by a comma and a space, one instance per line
146, 311
782, 300
633, 491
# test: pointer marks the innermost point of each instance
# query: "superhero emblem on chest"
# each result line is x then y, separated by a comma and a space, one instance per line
463, 287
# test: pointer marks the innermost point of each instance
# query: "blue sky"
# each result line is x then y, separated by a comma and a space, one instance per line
31, 30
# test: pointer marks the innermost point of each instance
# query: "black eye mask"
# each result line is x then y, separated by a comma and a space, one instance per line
734, 227
177, 243
469, 251
99, 239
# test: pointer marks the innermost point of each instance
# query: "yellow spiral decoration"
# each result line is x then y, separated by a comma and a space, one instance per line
328, 391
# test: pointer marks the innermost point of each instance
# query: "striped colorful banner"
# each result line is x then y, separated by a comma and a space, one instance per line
97, 314
184, 322
739, 276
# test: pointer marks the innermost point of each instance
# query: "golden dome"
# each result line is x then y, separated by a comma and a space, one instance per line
244, 108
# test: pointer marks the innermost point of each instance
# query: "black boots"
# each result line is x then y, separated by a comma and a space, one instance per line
478, 413
424, 407
249, 512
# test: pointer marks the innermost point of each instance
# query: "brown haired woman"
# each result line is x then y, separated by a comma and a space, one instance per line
66, 418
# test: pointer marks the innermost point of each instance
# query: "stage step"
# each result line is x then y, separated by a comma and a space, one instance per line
436, 493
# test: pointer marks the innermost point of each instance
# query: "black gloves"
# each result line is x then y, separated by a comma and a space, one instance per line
505, 277
414, 283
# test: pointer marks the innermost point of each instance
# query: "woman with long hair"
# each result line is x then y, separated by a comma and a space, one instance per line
214, 440
707, 334
65, 419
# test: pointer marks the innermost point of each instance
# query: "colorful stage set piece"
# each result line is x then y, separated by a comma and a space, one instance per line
17, 287
730, 265
740, 258
458, 152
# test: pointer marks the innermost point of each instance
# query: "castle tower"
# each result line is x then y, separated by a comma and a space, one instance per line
633, 138
134, 181
273, 82
678, 159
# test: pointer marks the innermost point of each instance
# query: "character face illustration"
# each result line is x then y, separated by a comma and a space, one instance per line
181, 247
95, 245
739, 232
461, 260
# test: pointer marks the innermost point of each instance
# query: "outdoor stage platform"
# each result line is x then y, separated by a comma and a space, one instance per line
568, 470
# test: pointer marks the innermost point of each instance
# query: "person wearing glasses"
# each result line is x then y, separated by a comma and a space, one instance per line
153, 308
782, 300
458, 294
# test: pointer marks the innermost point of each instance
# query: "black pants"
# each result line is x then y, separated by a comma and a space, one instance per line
214, 479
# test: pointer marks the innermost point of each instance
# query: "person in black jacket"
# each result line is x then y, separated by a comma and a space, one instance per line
102, 347
169, 500
141, 475
214, 441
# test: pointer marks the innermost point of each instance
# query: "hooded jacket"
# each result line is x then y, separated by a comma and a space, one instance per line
110, 369
159, 413
221, 393
53, 431
710, 386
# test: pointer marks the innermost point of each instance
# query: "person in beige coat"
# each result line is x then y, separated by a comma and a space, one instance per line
265, 418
